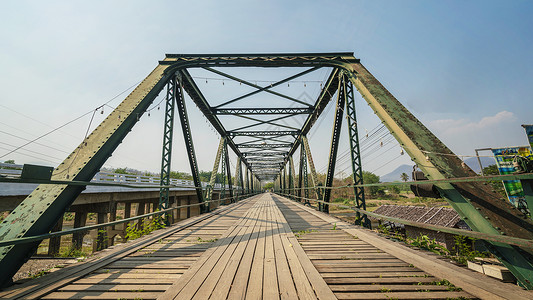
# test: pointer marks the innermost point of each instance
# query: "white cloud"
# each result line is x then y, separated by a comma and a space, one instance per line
462, 136
465, 126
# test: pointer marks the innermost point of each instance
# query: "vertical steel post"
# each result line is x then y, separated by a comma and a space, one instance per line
167, 143
355, 152
314, 177
293, 178
211, 185
228, 171
238, 181
247, 180
187, 136
301, 174
223, 171
341, 94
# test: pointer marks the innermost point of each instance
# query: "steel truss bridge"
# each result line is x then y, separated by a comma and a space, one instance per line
265, 150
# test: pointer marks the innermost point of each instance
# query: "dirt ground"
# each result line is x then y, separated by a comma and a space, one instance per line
39, 266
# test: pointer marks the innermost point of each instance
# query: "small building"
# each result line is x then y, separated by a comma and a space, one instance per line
441, 216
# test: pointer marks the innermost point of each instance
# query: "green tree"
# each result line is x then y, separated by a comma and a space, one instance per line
180, 175
10, 161
369, 177
404, 177
268, 186
122, 171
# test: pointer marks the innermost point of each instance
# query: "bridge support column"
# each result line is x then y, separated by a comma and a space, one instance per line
228, 172
55, 242
186, 129
101, 241
80, 219
167, 144
211, 185
341, 98
355, 152
314, 177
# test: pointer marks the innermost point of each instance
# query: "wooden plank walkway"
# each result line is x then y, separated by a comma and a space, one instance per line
258, 259
133, 271
266, 247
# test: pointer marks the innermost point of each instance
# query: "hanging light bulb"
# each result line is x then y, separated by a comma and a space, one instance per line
305, 84
206, 80
222, 82
321, 85
240, 82
427, 157
463, 164
288, 84
401, 151
148, 113
102, 111
381, 143
158, 107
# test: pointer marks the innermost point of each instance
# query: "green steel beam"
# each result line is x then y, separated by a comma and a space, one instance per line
335, 136
228, 170
187, 136
262, 111
211, 185
263, 133
355, 153
314, 177
167, 144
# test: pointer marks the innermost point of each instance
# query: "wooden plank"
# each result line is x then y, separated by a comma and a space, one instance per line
223, 286
240, 281
114, 288
287, 289
405, 295
102, 295
372, 274
386, 287
205, 263
392, 280
129, 275
319, 285
270, 276
206, 289
255, 283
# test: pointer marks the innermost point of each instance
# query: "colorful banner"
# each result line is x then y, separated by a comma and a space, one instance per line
504, 162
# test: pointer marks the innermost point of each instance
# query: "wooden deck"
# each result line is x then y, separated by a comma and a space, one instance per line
265, 247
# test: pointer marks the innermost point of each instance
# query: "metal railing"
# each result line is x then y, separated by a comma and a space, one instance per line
110, 177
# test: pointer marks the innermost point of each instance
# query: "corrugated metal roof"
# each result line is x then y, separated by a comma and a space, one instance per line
441, 216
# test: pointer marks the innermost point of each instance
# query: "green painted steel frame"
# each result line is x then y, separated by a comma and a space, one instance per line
167, 144
335, 137
187, 136
481, 209
355, 152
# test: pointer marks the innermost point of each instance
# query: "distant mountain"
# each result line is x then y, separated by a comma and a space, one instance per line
471, 162
395, 175
474, 164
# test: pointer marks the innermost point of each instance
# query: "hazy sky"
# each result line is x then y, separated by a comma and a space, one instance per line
464, 68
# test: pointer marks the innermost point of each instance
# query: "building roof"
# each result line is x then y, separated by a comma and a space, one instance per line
441, 216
